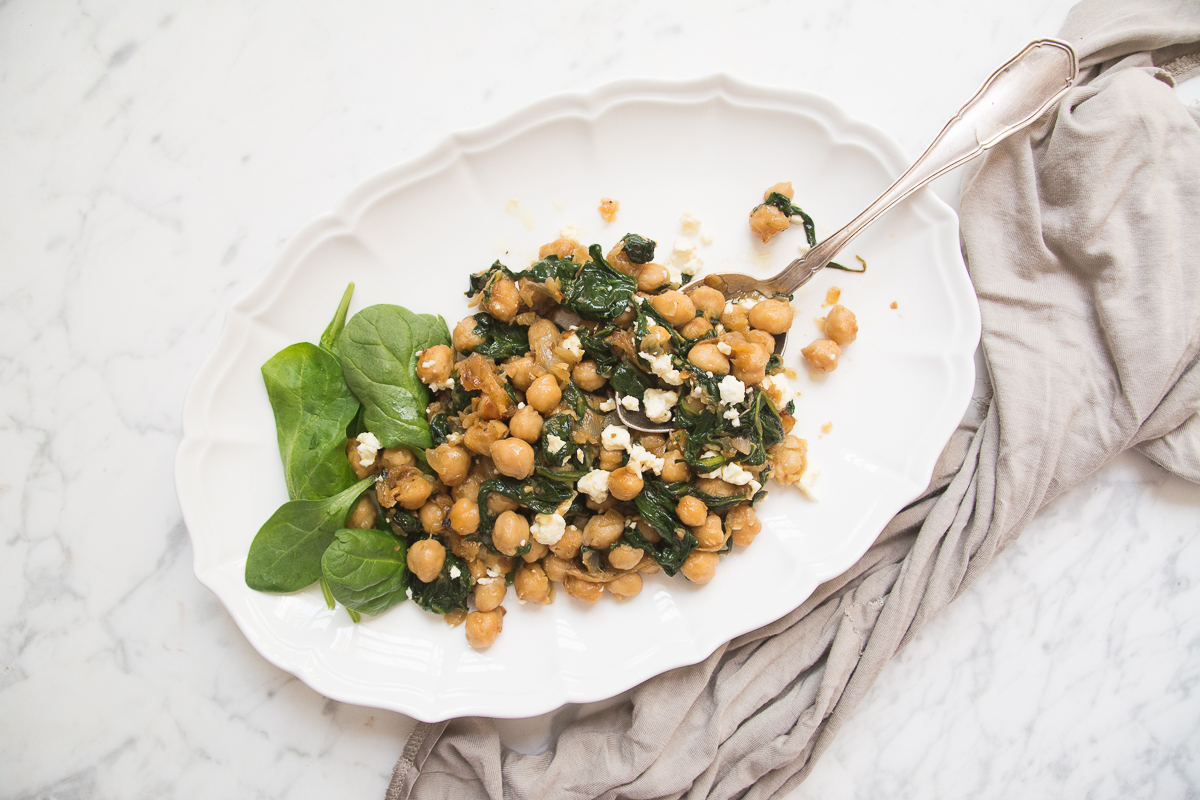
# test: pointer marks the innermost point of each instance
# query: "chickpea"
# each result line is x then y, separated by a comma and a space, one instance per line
656, 339
470, 486
653, 442
841, 326
602, 531
625, 586
586, 377
510, 532
709, 533
696, 328
583, 590
750, 362
742, 524
767, 221
761, 338
405, 487
537, 551
498, 564
464, 516
526, 424
464, 337
556, 568
522, 372
784, 189
360, 470
483, 627
735, 318
490, 595
434, 363
451, 462
651, 277
497, 504
611, 459
568, 546
619, 260
625, 483
773, 316
466, 550
513, 457
708, 301
699, 567
432, 515
789, 459
532, 585
625, 557
487, 408
426, 558
544, 394
363, 515
504, 300
822, 354
676, 306
707, 357
674, 469
396, 457
480, 437
647, 531
691, 511
719, 488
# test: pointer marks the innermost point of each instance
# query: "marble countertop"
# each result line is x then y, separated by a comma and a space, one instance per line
157, 157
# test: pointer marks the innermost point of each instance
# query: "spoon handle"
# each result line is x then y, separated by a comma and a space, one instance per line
1012, 98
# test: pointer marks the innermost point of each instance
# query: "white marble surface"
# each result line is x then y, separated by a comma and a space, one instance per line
157, 156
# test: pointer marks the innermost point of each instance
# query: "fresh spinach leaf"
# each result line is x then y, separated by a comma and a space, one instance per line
379, 350
285, 555
552, 266
439, 429
445, 593
573, 399
543, 495
365, 569
405, 524
598, 291
657, 506
628, 381
500, 340
597, 349
313, 408
330, 336
638, 249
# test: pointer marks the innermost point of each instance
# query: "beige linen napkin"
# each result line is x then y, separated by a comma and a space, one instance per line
1082, 236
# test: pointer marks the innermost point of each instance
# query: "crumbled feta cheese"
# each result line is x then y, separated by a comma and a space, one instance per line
547, 529
630, 402
689, 222
455, 572
732, 390
579, 454
568, 232
674, 274
641, 459
594, 485
368, 446
615, 438
441, 386
724, 348
735, 416
520, 406
492, 572
608, 404
683, 250
408, 593
780, 383
554, 443
706, 238
659, 403
807, 481
572, 345
662, 367
486, 581
735, 474
454, 438
748, 303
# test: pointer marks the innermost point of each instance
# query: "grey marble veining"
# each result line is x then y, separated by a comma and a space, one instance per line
157, 157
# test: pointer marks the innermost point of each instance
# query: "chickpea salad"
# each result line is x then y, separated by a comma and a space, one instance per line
449, 468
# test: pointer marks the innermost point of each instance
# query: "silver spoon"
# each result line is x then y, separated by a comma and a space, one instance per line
1013, 97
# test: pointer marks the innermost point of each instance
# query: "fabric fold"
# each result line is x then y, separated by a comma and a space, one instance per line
1082, 238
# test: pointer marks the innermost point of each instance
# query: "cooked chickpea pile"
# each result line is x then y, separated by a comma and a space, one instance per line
535, 484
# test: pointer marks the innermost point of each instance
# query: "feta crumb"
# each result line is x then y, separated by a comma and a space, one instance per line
659, 403
615, 438
579, 454
732, 390
594, 485
455, 572
735, 416
492, 572
674, 274
683, 250
568, 232
689, 222
572, 345
724, 348
735, 474
748, 303
608, 404
408, 593
631, 402
547, 529
454, 438
706, 238
520, 406
486, 581
641, 459
807, 481
441, 386
662, 367
368, 446
780, 383
554, 443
